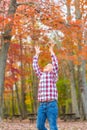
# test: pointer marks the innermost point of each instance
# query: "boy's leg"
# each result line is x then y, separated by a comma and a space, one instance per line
52, 115
41, 117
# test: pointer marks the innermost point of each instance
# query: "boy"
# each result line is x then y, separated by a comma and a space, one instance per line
47, 91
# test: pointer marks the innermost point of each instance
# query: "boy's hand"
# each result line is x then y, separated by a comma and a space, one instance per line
37, 49
51, 46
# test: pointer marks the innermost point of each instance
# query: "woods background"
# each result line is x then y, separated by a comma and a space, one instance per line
25, 23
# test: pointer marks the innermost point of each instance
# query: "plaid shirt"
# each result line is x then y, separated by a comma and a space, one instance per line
47, 90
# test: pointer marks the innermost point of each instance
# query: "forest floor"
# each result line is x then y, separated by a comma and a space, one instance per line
25, 125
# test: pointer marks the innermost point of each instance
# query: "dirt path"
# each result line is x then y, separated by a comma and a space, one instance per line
25, 125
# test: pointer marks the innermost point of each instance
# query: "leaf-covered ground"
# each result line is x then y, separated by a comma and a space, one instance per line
25, 125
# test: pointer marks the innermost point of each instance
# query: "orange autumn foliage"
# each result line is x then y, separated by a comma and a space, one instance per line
26, 24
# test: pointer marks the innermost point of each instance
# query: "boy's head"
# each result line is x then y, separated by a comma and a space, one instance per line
48, 68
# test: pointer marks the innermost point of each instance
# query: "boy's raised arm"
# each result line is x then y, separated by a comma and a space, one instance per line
35, 61
54, 61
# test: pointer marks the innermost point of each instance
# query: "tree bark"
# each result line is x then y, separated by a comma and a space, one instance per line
83, 86
6, 37
13, 109
75, 108
3, 57
18, 99
35, 89
24, 112
82, 67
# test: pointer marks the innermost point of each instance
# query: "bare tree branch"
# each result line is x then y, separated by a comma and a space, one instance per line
27, 3
0, 0
1, 11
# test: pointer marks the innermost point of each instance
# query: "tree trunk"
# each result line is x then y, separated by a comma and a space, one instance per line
13, 109
75, 108
82, 67
3, 53
23, 99
35, 89
24, 112
83, 86
3, 57
18, 99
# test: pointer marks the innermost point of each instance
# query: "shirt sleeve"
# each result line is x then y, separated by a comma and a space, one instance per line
36, 66
55, 66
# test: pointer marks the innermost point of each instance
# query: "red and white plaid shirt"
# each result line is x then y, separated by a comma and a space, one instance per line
47, 90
